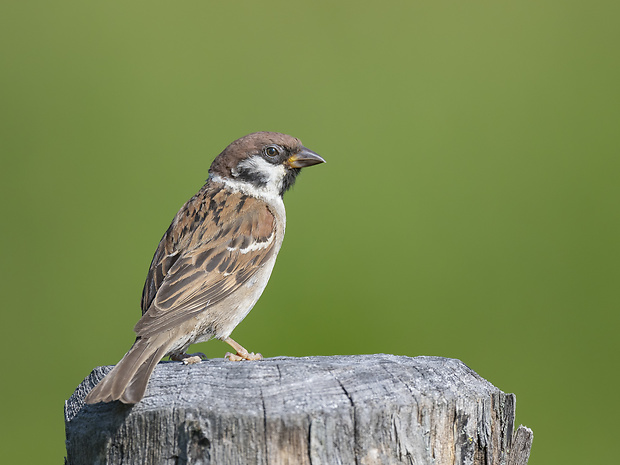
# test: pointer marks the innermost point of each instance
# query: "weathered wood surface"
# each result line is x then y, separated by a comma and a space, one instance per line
359, 409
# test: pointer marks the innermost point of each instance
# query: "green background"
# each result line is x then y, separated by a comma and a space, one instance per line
468, 209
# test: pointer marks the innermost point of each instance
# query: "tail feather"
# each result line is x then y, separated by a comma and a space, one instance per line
134, 391
127, 381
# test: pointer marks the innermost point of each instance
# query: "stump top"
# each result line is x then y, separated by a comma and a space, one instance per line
338, 409
315, 382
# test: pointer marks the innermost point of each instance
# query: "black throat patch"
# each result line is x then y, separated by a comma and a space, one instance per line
289, 179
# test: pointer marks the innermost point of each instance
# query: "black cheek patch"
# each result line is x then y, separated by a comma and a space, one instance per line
253, 177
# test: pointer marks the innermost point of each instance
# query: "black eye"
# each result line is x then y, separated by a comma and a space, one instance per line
272, 150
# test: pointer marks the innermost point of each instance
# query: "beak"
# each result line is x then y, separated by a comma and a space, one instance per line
305, 157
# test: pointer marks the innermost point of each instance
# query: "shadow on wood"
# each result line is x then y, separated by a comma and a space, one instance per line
366, 409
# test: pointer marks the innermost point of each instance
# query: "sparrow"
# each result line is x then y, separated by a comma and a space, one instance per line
213, 262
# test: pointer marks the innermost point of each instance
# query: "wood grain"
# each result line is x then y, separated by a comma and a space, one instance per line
357, 409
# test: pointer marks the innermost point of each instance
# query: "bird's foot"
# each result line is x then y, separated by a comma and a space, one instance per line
242, 356
242, 353
188, 359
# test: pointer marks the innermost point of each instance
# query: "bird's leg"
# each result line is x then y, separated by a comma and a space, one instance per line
187, 359
241, 354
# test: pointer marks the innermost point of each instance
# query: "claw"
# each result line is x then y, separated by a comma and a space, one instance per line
232, 357
242, 353
242, 356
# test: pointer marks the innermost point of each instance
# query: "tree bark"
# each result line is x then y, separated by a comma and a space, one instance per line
357, 409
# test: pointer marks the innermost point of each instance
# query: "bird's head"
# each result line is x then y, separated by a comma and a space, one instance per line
267, 161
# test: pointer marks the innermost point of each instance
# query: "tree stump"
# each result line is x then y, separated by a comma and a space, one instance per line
355, 409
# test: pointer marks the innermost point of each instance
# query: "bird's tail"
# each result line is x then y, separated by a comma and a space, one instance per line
128, 379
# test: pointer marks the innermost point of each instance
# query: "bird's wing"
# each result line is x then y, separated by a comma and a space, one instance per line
216, 243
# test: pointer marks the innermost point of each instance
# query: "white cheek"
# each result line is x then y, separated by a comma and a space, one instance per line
273, 174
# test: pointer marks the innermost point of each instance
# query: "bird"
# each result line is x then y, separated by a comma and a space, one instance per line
214, 261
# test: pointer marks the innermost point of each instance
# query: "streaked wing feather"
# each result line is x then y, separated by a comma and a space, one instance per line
205, 264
